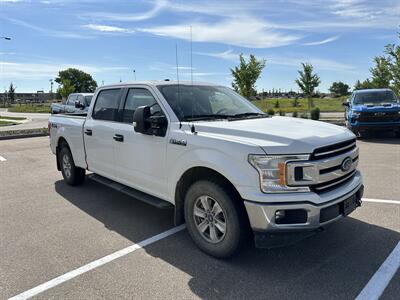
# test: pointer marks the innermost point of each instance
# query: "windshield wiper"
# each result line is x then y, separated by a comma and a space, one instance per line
205, 117
248, 114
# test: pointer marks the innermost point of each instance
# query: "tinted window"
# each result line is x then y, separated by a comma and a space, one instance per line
107, 104
135, 99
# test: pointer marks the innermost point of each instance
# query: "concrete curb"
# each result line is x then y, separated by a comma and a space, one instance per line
24, 133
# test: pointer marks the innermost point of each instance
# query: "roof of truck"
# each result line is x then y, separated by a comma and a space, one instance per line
158, 82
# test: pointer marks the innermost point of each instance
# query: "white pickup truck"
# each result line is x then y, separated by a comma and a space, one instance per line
221, 163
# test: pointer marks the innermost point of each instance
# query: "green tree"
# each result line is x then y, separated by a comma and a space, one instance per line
246, 74
81, 81
361, 85
339, 88
66, 88
307, 82
381, 74
11, 92
392, 52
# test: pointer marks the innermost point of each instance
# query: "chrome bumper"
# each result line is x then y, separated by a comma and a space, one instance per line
262, 215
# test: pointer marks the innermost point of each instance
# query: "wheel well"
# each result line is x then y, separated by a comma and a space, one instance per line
61, 143
191, 176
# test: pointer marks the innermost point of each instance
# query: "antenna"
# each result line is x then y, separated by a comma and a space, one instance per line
177, 79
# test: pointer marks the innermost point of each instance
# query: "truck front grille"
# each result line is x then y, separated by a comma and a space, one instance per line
388, 116
334, 150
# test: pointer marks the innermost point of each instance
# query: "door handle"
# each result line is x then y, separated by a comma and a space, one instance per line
118, 137
88, 131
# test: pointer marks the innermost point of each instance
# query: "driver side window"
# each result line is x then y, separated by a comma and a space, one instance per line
138, 97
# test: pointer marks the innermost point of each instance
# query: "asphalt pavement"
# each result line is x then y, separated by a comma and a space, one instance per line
48, 229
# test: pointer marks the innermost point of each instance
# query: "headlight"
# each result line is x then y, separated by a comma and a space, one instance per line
272, 170
355, 114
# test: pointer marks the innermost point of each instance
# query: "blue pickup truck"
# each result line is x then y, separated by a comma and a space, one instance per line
372, 110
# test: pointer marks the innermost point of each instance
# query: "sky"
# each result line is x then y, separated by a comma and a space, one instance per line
110, 39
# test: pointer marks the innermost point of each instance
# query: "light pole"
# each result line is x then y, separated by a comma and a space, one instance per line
134, 73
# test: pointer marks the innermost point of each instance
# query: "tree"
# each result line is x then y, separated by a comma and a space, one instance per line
66, 88
246, 74
81, 81
392, 52
11, 92
381, 74
366, 84
307, 82
339, 88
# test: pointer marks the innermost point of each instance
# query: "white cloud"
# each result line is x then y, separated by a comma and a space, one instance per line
242, 32
10, 1
108, 29
159, 5
325, 41
18, 70
226, 55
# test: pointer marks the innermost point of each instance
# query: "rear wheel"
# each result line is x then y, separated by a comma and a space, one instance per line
214, 219
72, 175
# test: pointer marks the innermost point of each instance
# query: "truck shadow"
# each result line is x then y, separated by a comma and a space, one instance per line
336, 263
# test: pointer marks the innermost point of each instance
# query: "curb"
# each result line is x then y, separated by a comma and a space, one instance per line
20, 134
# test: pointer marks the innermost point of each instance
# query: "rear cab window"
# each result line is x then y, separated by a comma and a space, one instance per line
107, 104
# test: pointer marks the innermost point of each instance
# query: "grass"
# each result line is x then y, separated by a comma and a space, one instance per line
31, 108
5, 123
286, 105
12, 118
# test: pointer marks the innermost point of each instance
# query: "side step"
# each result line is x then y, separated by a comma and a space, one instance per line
146, 198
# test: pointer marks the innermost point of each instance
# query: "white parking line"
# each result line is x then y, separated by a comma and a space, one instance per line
381, 201
2, 158
377, 284
94, 264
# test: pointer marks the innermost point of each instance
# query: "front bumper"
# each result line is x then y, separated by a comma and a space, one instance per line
364, 126
262, 215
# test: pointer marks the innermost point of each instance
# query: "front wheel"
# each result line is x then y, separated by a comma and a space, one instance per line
214, 219
72, 175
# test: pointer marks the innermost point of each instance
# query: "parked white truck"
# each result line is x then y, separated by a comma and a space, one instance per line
221, 163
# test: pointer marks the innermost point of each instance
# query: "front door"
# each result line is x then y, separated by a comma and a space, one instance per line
140, 158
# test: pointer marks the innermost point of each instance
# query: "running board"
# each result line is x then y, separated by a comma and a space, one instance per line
146, 198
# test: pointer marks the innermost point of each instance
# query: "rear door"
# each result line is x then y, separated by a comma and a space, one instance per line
140, 158
99, 131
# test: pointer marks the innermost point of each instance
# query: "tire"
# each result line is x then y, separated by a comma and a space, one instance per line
72, 175
228, 214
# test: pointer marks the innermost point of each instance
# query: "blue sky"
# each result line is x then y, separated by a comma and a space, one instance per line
111, 38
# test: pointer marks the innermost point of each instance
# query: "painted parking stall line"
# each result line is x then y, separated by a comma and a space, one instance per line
377, 284
381, 201
95, 264
2, 158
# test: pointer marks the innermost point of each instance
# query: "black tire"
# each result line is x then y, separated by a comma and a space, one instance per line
72, 175
233, 213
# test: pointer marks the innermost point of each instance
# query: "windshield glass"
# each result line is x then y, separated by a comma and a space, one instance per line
88, 99
375, 98
199, 102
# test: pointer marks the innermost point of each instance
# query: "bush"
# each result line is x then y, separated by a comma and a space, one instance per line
294, 114
304, 116
282, 113
277, 104
315, 113
270, 112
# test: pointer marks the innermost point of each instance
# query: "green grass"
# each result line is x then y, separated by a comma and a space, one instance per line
12, 118
31, 108
5, 123
285, 105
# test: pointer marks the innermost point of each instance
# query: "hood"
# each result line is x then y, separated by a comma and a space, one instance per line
374, 108
277, 135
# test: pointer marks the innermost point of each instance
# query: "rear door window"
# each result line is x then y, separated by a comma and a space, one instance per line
138, 97
106, 106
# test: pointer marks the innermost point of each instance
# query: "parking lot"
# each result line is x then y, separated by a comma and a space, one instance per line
48, 229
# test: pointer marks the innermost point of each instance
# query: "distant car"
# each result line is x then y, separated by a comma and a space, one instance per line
76, 103
372, 110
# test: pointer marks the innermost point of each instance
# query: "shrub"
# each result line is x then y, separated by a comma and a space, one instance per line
315, 113
277, 104
270, 112
304, 115
294, 114
282, 113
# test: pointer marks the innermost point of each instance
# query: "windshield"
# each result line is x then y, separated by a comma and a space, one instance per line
88, 99
200, 102
375, 98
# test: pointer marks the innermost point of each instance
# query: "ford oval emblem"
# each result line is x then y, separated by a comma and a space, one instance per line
346, 164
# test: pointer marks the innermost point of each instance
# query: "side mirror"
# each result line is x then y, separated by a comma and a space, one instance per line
140, 119
347, 104
79, 104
